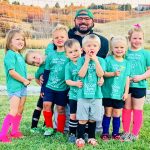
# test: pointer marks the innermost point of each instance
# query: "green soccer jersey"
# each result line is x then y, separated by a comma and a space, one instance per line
90, 88
114, 87
56, 62
71, 73
139, 61
16, 62
49, 48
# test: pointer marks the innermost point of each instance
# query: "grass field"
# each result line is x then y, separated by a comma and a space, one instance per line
39, 142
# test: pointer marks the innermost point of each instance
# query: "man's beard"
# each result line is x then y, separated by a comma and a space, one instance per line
84, 31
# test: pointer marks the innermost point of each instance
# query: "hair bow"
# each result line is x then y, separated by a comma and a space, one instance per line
137, 26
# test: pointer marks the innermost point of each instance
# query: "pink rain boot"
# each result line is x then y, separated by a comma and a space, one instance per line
16, 133
5, 128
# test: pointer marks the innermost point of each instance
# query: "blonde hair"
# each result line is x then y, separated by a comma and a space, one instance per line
60, 27
117, 39
135, 28
27, 56
10, 36
89, 37
70, 42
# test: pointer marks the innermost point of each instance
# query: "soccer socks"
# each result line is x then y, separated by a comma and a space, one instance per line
137, 121
35, 118
106, 124
91, 132
81, 131
73, 126
5, 128
48, 119
126, 119
61, 120
116, 125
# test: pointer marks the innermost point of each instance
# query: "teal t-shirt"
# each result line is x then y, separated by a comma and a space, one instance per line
71, 73
90, 88
15, 61
114, 87
56, 62
139, 61
49, 48
41, 68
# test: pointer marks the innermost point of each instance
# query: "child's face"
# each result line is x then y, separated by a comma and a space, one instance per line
91, 47
74, 52
35, 59
136, 40
17, 42
119, 49
60, 37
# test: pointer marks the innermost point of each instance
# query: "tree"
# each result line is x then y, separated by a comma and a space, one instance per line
125, 7
16, 3
57, 5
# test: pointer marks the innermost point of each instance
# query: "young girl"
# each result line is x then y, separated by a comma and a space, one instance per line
73, 52
140, 70
54, 87
16, 80
116, 82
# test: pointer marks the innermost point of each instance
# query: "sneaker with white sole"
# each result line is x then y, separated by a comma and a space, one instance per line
49, 132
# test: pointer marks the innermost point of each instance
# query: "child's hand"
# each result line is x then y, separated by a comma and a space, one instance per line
125, 96
79, 84
87, 58
117, 73
101, 81
137, 78
26, 82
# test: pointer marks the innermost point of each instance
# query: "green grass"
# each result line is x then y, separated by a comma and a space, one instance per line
39, 142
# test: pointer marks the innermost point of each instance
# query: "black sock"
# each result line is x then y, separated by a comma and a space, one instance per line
73, 126
81, 131
35, 118
92, 127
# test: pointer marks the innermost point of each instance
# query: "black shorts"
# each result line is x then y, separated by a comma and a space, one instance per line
137, 92
59, 98
40, 102
117, 104
73, 106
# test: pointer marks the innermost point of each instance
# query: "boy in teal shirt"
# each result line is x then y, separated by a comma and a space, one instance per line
73, 52
89, 96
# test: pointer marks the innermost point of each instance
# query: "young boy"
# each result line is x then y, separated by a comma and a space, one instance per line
89, 96
54, 88
73, 52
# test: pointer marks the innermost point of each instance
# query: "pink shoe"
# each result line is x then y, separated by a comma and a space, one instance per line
5, 139
16, 135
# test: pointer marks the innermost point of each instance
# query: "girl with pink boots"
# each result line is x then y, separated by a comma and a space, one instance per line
16, 81
140, 71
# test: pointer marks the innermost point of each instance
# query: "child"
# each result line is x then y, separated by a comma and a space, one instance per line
73, 52
116, 86
140, 70
89, 103
54, 87
16, 75
36, 58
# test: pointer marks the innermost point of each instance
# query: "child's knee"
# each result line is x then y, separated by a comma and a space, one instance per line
60, 109
47, 106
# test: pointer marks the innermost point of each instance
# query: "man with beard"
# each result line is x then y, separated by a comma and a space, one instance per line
84, 22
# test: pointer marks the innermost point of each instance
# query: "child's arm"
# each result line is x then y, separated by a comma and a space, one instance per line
144, 76
82, 72
74, 83
111, 74
125, 95
18, 77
